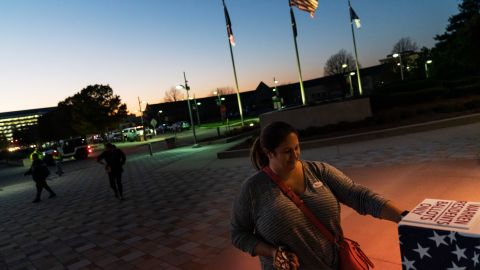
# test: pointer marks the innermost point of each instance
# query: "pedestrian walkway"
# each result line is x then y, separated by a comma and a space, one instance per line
177, 211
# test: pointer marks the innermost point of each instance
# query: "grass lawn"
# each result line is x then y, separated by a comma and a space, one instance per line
231, 122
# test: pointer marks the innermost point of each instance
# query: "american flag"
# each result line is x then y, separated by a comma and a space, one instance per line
229, 25
307, 5
354, 18
423, 248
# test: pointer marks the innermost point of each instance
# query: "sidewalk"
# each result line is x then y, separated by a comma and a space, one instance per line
176, 215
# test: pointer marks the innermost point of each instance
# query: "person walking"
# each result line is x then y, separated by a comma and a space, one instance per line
37, 152
115, 159
39, 172
58, 158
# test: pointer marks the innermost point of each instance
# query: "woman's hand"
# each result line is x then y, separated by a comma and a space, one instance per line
285, 260
391, 212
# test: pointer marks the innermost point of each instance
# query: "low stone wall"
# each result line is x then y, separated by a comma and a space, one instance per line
321, 115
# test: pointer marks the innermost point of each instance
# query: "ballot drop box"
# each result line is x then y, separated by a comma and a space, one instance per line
441, 234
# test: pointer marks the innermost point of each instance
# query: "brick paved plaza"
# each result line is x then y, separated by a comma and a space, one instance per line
176, 215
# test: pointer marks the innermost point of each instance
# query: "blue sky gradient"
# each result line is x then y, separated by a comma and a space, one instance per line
51, 49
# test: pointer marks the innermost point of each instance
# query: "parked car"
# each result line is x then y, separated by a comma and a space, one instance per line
49, 154
132, 134
149, 133
77, 148
179, 126
116, 136
96, 139
161, 129
135, 133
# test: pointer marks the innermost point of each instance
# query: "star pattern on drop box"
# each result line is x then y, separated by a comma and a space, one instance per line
436, 249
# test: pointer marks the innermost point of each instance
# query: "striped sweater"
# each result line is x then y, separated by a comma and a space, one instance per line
262, 212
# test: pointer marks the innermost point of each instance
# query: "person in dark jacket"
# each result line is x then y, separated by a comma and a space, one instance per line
39, 172
115, 159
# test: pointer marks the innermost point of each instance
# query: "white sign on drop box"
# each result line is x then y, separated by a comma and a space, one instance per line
445, 213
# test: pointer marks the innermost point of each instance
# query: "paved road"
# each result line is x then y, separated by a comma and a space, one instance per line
176, 215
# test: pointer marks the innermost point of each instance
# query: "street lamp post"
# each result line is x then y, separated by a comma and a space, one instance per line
275, 82
187, 88
277, 102
219, 103
350, 82
399, 55
428, 62
141, 117
219, 97
344, 68
196, 109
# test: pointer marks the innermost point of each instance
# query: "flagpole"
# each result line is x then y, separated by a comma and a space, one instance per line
356, 54
236, 84
235, 75
302, 92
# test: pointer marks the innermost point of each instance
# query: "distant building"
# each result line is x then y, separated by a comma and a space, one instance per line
18, 120
263, 98
217, 108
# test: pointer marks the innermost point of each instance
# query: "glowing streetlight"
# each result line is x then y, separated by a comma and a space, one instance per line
344, 68
350, 82
399, 55
219, 100
187, 88
277, 103
141, 116
428, 62
196, 109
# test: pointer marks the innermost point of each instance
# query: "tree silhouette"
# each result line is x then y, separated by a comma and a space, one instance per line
173, 95
223, 91
56, 125
456, 52
405, 44
94, 110
334, 64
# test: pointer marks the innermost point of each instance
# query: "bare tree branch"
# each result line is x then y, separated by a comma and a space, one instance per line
334, 64
405, 44
173, 95
222, 91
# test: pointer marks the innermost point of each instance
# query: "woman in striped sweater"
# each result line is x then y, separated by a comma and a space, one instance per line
266, 223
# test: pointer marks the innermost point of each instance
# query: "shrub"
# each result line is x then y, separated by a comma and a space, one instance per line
240, 130
444, 108
472, 104
405, 98
465, 90
462, 82
410, 86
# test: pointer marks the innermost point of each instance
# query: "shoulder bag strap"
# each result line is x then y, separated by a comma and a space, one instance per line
299, 203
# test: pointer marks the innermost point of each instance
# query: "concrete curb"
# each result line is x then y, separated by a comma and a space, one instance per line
370, 135
233, 138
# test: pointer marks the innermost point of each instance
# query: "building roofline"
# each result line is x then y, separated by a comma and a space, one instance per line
4, 115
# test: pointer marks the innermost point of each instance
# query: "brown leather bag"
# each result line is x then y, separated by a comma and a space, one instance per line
350, 256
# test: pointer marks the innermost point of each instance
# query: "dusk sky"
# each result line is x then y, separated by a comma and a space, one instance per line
52, 49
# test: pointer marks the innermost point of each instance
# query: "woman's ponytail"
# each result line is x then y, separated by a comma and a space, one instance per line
257, 156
